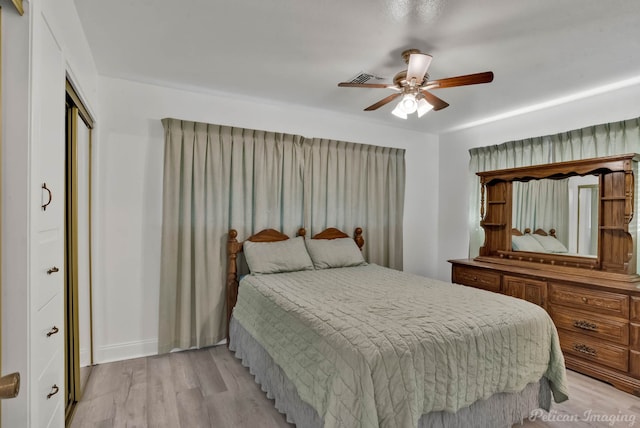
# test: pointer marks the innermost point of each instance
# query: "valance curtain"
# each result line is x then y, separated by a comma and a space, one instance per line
219, 177
593, 141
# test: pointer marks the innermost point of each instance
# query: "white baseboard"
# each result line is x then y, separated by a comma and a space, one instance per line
125, 351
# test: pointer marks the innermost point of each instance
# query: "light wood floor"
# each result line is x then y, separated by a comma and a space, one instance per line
210, 388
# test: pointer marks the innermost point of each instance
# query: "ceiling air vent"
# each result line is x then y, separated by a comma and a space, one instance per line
366, 78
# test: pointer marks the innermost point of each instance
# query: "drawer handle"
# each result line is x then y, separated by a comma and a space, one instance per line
44, 187
54, 391
584, 349
54, 330
53, 270
585, 300
475, 278
585, 325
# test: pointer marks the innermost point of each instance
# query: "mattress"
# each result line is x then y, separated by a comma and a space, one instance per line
369, 346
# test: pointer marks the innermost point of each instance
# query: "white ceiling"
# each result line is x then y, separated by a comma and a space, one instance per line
296, 51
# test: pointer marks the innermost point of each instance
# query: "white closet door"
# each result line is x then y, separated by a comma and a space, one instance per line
47, 228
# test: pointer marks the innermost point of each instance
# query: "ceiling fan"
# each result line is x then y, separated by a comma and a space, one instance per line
413, 86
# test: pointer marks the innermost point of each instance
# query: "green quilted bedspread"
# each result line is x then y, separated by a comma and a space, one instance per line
372, 347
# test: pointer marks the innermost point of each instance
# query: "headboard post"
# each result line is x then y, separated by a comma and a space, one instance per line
357, 236
233, 247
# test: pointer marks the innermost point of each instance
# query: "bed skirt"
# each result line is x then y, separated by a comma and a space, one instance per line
500, 410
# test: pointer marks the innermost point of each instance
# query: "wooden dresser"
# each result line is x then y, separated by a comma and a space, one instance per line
594, 301
598, 320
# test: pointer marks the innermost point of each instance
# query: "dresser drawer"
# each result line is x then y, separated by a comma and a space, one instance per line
590, 300
57, 420
635, 309
531, 290
478, 278
48, 333
593, 350
50, 392
634, 363
600, 327
49, 278
634, 337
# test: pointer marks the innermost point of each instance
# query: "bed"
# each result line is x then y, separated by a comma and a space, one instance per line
338, 342
538, 242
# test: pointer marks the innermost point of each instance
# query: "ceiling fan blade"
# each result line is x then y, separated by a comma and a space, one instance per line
436, 102
365, 85
382, 102
418, 65
469, 79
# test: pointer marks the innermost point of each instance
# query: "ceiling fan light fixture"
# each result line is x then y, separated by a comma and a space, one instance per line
423, 107
414, 85
399, 112
417, 67
408, 104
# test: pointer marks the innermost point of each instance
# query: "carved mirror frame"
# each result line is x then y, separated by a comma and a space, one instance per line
616, 221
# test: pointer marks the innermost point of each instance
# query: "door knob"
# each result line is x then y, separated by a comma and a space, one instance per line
9, 386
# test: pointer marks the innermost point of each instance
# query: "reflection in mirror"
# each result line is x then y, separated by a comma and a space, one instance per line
553, 204
587, 230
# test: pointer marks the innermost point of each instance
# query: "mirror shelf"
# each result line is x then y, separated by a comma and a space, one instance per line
559, 170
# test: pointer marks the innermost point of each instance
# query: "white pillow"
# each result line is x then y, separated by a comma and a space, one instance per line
526, 243
550, 244
334, 253
274, 257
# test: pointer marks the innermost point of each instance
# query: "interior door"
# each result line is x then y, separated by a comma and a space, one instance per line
78, 249
83, 261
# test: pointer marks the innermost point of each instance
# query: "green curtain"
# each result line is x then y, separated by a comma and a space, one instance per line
219, 177
351, 185
542, 204
593, 141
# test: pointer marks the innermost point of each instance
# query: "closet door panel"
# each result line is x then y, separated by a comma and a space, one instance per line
84, 242
47, 221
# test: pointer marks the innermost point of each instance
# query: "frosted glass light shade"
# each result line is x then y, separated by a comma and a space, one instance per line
409, 104
418, 65
423, 107
399, 112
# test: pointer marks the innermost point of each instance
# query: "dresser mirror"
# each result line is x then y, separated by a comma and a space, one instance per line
574, 214
565, 209
587, 220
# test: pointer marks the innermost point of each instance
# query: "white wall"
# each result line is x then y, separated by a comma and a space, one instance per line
15, 194
65, 24
453, 234
128, 215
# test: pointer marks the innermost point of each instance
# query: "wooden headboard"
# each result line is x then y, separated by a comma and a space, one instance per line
552, 232
516, 232
268, 235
